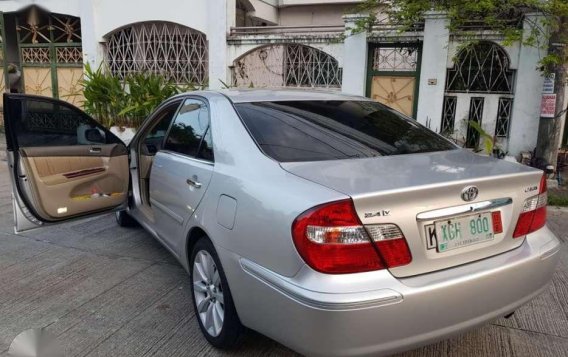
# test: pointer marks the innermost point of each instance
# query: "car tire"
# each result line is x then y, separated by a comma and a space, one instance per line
212, 300
124, 219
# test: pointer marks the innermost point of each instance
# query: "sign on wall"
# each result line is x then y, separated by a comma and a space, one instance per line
548, 106
548, 86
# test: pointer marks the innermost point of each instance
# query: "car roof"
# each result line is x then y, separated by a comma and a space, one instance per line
270, 95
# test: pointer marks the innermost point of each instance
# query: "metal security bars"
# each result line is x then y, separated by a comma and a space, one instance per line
50, 52
475, 114
395, 59
178, 52
449, 115
286, 65
481, 67
503, 117
309, 67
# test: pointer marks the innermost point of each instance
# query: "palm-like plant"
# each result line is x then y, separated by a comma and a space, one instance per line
125, 102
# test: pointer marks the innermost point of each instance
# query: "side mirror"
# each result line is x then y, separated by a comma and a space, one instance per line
94, 136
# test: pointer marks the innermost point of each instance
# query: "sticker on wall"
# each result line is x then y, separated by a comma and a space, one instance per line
548, 106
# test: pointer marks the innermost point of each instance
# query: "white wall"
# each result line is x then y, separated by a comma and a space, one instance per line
264, 11
69, 7
355, 50
433, 67
313, 15
112, 14
528, 92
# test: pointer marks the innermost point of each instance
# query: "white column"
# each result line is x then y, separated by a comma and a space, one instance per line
354, 59
523, 131
221, 16
433, 70
89, 41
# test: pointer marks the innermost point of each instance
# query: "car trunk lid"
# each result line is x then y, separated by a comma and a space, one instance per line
415, 191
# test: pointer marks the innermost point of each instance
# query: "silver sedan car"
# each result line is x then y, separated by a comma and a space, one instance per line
329, 223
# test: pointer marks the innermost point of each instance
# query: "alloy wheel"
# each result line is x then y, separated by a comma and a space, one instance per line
208, 293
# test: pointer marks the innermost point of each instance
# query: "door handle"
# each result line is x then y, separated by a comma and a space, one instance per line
95, 150
193, 182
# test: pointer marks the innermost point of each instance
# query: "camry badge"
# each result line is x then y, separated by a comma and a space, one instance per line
469, 193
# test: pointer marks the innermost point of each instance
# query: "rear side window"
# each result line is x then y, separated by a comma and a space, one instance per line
331, 130
190, 133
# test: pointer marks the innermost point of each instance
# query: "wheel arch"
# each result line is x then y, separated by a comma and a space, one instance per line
192, 237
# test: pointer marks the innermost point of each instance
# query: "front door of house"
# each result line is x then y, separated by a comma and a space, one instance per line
51, 55
393, 76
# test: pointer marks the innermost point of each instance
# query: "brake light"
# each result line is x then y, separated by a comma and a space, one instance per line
331, 239
533, 214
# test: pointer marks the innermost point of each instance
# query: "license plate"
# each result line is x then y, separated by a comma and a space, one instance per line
459, 232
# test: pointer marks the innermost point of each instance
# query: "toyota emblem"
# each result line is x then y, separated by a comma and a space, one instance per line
469, 193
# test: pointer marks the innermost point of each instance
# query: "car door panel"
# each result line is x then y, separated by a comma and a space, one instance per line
181, 171
63, 163
174, 200
71, 181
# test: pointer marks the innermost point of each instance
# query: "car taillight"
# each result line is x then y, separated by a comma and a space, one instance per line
331, 239
533, 214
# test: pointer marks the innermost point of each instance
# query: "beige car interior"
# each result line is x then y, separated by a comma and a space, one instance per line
145, 163
67, 181
153, 137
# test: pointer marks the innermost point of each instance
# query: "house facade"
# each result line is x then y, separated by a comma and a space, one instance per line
427, 73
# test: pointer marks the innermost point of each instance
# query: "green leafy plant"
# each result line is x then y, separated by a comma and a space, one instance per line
125, 102
105, 96
145, 92
488, 139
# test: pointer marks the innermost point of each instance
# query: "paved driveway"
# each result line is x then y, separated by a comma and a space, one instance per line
110, 291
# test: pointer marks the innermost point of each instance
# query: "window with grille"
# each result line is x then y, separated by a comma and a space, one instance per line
395, 59
475, 114
481, 67
503, 117
175, 51
448, 115
309, 67
287, 65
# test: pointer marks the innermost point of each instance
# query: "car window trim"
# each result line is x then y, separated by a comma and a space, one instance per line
206, 102
188, 157
146, 129
203, 140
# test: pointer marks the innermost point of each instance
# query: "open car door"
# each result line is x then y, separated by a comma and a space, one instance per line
63, 164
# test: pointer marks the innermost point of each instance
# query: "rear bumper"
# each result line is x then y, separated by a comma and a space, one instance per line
374, 313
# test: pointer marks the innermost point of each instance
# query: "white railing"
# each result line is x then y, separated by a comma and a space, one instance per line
272, 30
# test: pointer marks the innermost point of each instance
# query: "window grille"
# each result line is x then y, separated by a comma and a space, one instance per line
36, 55
481, 67
36, 26
287, 65
503, 117
475, 114
175, 51
449, 115
395, 59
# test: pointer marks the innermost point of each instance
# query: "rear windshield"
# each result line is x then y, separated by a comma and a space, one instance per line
331, 130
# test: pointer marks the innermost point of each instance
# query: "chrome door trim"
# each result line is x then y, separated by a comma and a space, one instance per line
467, 208
187, 157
